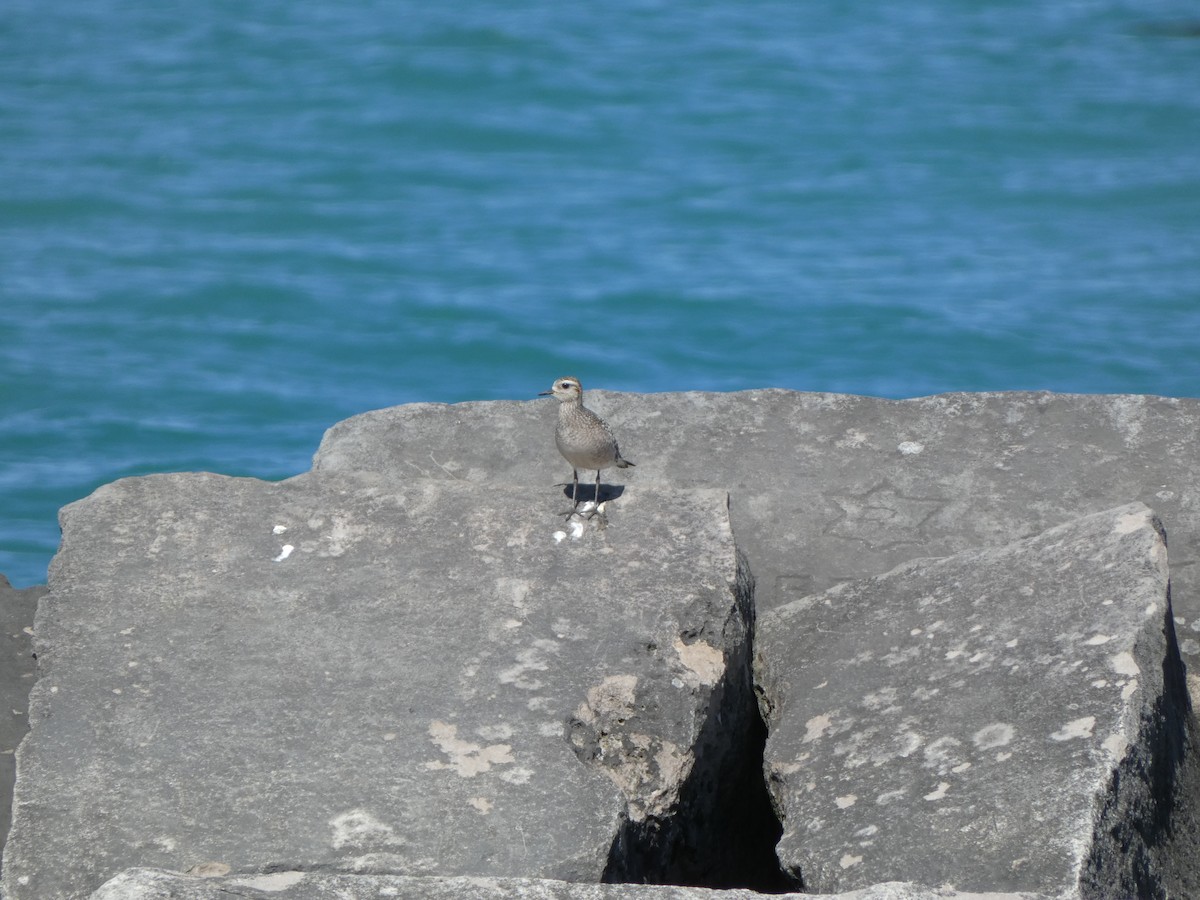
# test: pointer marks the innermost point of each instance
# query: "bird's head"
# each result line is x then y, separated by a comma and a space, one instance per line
565, 389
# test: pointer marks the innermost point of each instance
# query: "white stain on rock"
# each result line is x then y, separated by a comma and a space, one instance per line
852, 439
209, 870
911, 448
942, 753
704, 661
495, 732
890, 796
358, 827
1131, 522
882, 700
908, 743
531, 659
999, 734
614, 696
1097, 639
284, 553
1116, 745
1124, 664
272, 883
467, 759
341, 535
816, 727
515, 591
1076, 728
845, 802
939, 792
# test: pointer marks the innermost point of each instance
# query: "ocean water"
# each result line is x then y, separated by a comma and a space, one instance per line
226, 226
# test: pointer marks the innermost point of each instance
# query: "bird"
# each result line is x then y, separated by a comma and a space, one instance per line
583, 438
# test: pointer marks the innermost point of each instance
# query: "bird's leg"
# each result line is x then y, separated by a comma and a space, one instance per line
574, 510
596, 506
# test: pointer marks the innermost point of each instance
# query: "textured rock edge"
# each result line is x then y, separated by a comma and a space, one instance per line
155, 884
1144, 834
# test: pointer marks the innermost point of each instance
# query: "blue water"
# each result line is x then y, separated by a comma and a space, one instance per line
226, 226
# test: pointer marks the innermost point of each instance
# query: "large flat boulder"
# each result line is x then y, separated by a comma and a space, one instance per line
1009, 719
378, 675
827, 488
149, 884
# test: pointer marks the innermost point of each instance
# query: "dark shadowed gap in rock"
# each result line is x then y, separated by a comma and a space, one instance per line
730, 845
723, 831
1183, 844
1145, 842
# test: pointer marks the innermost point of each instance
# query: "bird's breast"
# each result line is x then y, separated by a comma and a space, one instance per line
589, 451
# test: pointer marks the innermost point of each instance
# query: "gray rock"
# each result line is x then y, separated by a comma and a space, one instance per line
827, 488
1008, 719
414, 677
301, 711
17, 668
148, 884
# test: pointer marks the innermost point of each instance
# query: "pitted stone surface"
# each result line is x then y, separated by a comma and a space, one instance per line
978, 720
826, 488
16, 679
147, 884
367, 675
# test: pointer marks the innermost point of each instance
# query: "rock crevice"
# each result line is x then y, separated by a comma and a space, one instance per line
722, 829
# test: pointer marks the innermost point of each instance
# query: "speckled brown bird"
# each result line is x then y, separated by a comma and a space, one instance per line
583, 438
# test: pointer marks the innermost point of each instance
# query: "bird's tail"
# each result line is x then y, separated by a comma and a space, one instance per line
624, 464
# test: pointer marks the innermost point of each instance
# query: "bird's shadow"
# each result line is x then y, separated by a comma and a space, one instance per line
587, 492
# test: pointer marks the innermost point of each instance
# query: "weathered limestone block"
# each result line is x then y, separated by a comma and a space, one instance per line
149, 884
373, 675
1008, 719
16, 678
826, 488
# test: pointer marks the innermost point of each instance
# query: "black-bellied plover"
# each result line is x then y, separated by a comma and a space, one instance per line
583, 438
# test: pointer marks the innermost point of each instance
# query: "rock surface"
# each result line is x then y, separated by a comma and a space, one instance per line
1006, 719
399, 676
17, 669
427, 673
826, 488
148, 884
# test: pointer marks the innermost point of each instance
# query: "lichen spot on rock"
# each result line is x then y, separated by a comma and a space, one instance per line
1076, 728
466, 758
1131, 522
989, 737
704, 662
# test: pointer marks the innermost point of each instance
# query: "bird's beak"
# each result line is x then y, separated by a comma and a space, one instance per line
545, 393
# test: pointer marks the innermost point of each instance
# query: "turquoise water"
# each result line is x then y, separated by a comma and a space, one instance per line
227, 226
